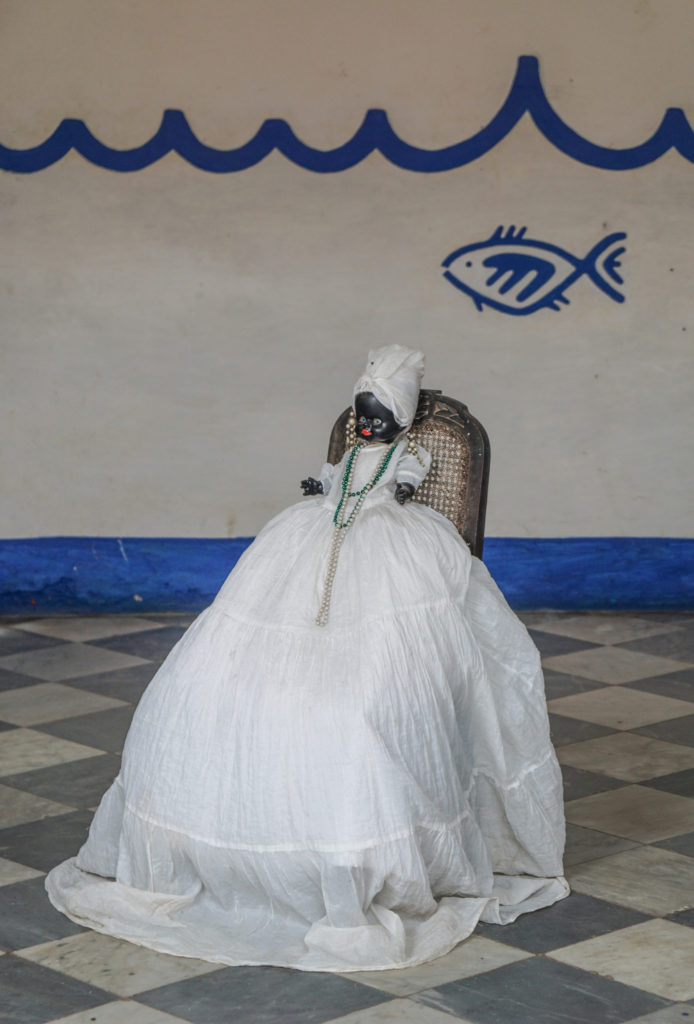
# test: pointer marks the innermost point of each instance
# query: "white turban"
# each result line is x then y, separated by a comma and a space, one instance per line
393, 374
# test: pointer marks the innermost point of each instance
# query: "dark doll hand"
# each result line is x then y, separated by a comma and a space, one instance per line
403, 493
311, 486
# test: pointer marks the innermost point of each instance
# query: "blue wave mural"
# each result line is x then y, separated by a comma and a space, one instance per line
526, 96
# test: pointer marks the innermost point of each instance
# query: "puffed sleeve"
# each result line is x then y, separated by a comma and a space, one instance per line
327, 476
412, 469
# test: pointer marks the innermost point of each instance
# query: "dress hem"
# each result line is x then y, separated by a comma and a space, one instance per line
168, 948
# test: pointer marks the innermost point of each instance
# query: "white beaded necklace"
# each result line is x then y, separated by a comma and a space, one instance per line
344, 522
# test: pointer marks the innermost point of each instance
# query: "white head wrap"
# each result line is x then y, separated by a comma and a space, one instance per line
393, 374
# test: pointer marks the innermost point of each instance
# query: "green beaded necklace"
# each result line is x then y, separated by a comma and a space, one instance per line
342, 524
369, 485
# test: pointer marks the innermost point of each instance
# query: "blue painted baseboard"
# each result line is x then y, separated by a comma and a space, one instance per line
97, 575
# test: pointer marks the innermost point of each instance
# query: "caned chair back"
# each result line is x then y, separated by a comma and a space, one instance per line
456, 484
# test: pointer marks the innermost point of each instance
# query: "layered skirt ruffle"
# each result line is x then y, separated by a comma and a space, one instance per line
340, 798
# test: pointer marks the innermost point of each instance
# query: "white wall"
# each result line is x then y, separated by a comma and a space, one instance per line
174, 344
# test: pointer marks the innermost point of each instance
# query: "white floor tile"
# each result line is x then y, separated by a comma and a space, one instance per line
90, 627
618, 707
473, 956
18, 807
612, 665
22, 750
649, 879
602, 629
11, 872
678, 1013
398, 1011
114, 965
124, 1011
634, 812
656, 956
48, 702
627, 756
68, 661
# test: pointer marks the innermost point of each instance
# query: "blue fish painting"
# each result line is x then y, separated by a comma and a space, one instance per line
520, 275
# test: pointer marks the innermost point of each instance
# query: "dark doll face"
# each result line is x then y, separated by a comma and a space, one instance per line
374, 421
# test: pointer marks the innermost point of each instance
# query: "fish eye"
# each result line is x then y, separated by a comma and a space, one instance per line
468, 263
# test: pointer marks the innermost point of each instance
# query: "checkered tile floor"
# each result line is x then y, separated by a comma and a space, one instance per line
620, 948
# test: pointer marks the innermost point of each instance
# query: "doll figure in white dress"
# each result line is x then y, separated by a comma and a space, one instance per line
344, 764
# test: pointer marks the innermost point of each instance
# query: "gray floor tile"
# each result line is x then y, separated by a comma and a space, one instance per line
105, 730
79, 783
540, 619
679, 685
183, 619
27, 917
13, 680
676, 730
683, 618
34, 995
678, 644
680, 844
579, 783
282, 996
586, 844
125, 683
540, 991
574, 919
154, 645
683, 917
16, 641
43, 844
681, 783
549, 644
560, 684
564, 730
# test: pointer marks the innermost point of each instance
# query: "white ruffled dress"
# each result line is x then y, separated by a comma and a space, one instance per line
340, 798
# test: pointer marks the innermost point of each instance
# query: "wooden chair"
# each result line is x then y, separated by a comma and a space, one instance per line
456, 484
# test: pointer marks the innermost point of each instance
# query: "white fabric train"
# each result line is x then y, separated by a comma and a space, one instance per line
351, 797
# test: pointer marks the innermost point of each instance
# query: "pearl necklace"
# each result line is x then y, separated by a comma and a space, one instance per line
343, 522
